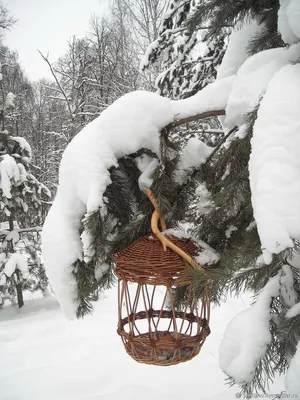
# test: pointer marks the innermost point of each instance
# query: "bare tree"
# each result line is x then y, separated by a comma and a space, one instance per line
6, 21
145, 19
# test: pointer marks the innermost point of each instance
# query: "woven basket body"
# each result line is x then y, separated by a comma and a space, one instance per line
153, 330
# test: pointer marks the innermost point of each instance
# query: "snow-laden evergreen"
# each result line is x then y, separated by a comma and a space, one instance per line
21, 194
22, 199
185, 66
247, 212
131, 123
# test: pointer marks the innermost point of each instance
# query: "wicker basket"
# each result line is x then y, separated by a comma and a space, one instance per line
152, 329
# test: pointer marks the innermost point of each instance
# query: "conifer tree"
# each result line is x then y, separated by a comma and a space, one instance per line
22, 210
186, 66
226, 221
217, 198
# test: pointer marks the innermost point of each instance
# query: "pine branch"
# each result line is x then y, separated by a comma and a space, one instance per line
192, 118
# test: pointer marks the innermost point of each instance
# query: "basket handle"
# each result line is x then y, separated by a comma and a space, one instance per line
156, 216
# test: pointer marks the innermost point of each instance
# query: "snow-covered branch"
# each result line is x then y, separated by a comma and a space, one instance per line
192, 118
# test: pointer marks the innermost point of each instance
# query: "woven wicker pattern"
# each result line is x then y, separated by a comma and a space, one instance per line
152, 329
145, 261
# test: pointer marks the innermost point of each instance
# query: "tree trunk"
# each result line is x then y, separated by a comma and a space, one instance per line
19, 290
18, 274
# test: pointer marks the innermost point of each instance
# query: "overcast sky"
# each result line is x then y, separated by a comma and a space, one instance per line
47, 25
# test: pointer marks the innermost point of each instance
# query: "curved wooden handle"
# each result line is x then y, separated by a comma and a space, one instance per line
156, 216
155, 205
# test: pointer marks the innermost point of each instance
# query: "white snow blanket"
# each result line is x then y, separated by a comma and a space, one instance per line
275, 163
247, 336
288, 20
46, 357
252, 80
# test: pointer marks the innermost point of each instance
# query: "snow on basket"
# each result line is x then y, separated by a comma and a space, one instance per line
153, 329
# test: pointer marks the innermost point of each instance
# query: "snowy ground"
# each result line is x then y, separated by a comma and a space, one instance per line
43, 356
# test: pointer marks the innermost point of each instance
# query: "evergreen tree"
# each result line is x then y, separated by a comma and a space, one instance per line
218, 198
226, 222
186, 66
188, 57
22, 208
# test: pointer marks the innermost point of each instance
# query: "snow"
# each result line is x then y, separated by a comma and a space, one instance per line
230, 230
61, 247
241, 133
193, 155
236, 53
293, 311
274, 165
213, 97
247, 336
9, 174
87, 246
2, 257
23, 174
252, 80
9, 101
2, 281
203, 197
284, 27
100, 270
287, 291
206, 255
179, 233
16, 261
251, 226
145, 59
24, 145
12, 235
132, 122
146, 165
44, 356
293, 16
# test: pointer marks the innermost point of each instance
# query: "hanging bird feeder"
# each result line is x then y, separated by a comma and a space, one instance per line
153, 330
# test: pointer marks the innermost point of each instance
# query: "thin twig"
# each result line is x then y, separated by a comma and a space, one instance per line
58, 84
220, 143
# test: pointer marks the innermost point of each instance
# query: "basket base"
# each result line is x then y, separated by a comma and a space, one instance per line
162, 348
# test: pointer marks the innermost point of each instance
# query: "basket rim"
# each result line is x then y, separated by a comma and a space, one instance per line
151, 313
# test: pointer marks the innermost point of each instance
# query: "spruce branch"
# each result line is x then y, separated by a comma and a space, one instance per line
196, 117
